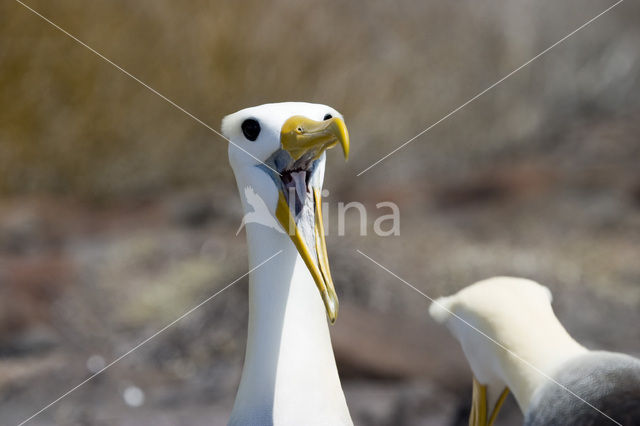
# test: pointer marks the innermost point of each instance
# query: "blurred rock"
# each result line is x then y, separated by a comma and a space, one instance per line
23, 231
35, 340
192, 209
370, 344
635, 195
414, 403
28, 288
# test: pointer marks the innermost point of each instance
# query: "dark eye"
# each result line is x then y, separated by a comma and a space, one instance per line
327, 116
251, 129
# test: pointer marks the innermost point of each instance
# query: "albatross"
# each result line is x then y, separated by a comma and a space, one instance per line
513, 341
278, 154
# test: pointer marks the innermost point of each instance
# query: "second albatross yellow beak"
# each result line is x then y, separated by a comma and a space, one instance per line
306, 140
480, 414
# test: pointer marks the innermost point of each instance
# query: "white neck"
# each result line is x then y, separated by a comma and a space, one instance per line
289, 375
543, 343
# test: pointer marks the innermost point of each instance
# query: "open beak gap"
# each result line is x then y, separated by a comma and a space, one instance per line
299, 208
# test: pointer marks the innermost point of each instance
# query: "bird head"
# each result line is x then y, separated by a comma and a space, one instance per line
486, 318
279, 150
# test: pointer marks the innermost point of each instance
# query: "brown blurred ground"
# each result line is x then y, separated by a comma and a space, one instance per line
118, 212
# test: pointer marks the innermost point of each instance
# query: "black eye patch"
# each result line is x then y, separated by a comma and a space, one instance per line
327, 116
251, 129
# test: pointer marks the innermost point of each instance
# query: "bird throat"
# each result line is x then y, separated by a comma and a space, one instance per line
296, 189
289, 370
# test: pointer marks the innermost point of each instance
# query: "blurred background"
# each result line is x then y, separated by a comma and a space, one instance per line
118, 212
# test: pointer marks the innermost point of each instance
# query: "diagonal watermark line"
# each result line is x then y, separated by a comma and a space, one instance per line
127, 73
536, 369
491, 87
139, 345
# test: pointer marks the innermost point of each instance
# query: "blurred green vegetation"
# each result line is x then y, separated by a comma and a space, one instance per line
73, 124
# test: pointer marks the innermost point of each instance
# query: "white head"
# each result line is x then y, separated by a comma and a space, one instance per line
516, 313
278, 150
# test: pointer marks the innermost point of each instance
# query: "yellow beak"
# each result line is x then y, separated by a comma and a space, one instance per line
480, 416
303, 137
300, 135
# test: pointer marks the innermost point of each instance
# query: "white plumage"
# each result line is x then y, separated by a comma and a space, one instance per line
289, 376
512, 339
